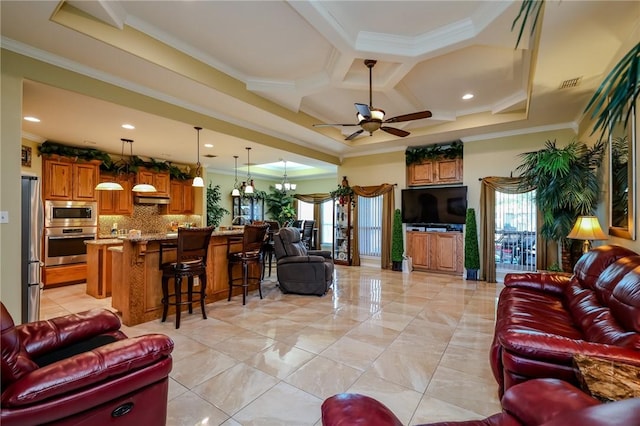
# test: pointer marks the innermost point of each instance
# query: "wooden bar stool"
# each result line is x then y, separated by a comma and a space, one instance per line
267, 249
191, 261
252, 240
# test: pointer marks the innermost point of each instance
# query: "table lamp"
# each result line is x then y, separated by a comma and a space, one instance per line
587, 228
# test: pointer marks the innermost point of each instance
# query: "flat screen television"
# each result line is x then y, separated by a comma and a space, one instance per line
434, 205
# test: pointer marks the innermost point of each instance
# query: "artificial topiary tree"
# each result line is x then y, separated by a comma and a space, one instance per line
471, 252
397, 242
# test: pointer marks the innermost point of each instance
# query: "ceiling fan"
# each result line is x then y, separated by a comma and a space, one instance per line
371, 119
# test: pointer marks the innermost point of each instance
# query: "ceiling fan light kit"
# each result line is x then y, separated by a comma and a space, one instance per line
371, 119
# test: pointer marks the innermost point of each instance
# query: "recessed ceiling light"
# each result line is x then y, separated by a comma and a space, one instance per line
32, 119
128, 126
467, 96
208, 145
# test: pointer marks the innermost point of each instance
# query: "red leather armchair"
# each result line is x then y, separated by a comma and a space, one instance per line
81, 369
537, 402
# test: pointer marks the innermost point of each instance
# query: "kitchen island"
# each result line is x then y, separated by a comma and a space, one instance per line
137, 278
99, 278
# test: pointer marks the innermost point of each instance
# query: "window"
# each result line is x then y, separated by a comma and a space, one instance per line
305, 210
370, 225
515, 237
326, 223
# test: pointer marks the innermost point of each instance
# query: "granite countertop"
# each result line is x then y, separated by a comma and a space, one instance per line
173, 235
104, 241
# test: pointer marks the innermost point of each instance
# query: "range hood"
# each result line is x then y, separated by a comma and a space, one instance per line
145, 199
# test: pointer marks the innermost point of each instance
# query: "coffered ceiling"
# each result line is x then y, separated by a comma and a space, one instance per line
261, 73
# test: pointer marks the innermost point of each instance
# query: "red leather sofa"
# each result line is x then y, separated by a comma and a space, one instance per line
537, 402
543, 319
81, 369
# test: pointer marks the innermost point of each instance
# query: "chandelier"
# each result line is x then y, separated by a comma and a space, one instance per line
115, 186
285, 185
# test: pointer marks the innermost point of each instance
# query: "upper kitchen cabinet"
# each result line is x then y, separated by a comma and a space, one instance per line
160, 180
181, 194
66, 180
116, 202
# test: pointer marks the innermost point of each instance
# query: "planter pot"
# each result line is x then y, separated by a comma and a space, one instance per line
472, 274
396, 266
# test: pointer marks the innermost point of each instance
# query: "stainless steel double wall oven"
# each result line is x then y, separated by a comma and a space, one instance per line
68, 224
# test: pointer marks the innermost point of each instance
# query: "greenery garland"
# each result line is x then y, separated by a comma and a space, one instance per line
108, 164
433, 152
342, 192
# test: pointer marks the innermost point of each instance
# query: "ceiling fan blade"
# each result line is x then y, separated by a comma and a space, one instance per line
353, 135
363, 110
331, 125
409, 117
394, 131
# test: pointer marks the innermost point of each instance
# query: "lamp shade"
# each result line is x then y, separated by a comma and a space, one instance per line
109, 186
144, 187
587, 228
198, 182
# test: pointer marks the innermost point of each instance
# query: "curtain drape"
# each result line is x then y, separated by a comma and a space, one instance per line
488, 188
388, 207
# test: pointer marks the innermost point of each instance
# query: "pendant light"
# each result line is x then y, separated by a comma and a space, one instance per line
198, 181
112, 186
248, 189
139, 187
236, 190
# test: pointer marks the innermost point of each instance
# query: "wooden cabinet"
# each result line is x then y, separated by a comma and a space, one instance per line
435, 172
342, 232
116, 202
436, 251
160, 180
181, 193
65, 179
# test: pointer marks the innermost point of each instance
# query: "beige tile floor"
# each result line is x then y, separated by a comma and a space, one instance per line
418, 342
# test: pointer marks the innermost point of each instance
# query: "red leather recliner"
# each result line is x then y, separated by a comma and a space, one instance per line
80, 369
537, 402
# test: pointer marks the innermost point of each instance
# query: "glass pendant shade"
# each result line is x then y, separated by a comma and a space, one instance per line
198, 182
248, 188
109, 186
144, 187
235, 192
112, 186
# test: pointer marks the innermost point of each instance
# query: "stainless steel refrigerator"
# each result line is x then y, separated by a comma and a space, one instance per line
32, 225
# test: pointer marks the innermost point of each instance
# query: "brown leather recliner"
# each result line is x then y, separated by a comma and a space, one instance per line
81, 369
301, 271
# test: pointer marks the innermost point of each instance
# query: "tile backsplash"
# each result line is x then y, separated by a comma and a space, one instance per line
146, 218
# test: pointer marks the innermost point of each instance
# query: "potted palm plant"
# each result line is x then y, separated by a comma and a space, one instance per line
214, 210
471, 251
567, 186
617, 93
280, 205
